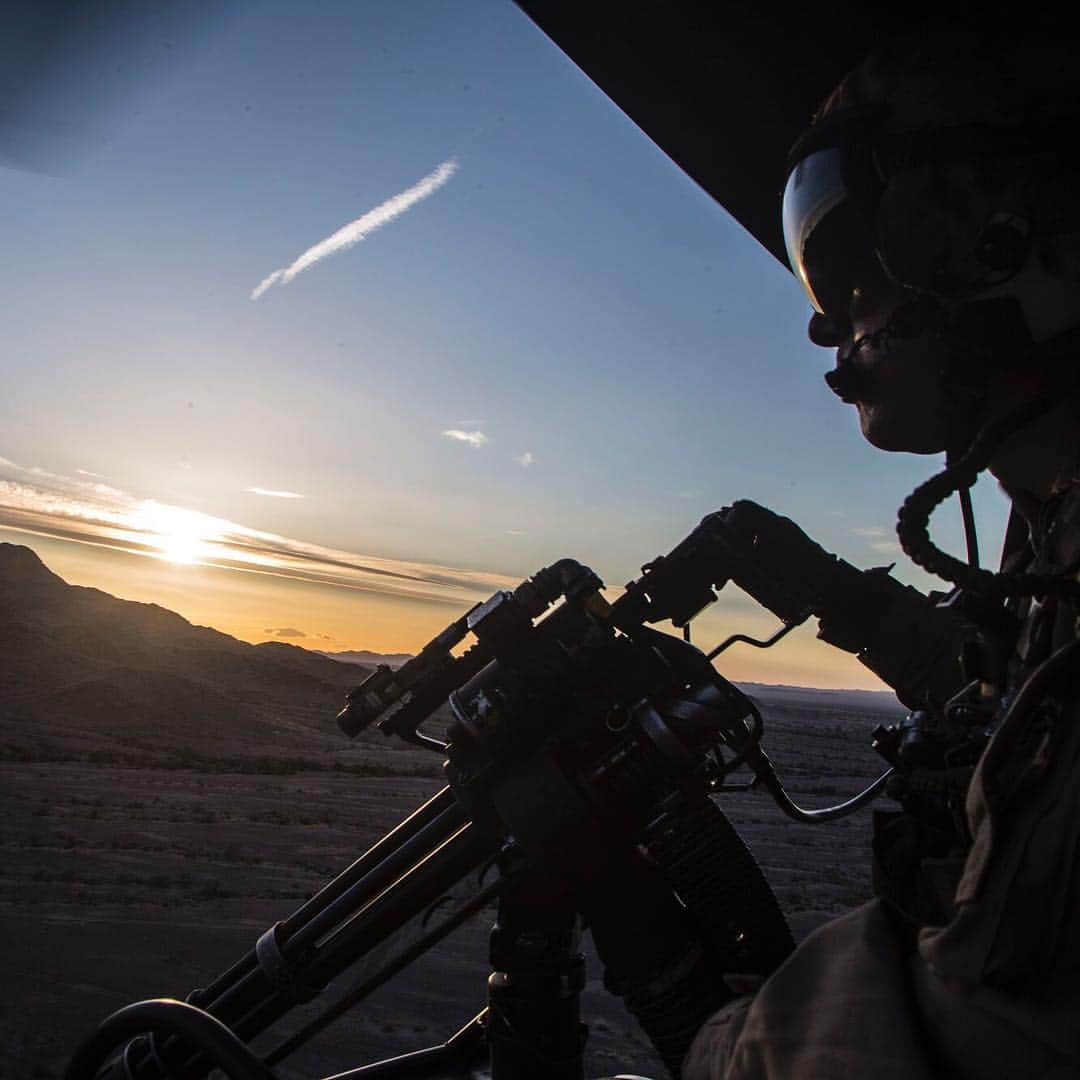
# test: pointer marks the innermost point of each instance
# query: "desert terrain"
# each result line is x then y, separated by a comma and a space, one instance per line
169, 792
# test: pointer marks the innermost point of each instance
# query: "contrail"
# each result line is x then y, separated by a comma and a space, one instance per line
362, 227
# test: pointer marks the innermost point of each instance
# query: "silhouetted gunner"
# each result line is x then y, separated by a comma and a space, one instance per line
930, 214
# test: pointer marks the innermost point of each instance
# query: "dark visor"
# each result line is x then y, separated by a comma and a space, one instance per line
830, 245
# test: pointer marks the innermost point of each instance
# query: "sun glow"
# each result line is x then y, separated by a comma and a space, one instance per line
180, 535
94, 513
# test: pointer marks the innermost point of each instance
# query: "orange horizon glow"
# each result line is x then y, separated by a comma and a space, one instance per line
70, 509
322, 616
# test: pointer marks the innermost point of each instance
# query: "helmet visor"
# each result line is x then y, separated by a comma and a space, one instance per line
829, 245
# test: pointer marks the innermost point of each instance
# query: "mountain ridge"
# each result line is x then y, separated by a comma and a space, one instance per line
82, 671
366, 657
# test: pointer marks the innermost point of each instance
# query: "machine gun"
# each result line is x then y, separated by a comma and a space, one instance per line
582, 741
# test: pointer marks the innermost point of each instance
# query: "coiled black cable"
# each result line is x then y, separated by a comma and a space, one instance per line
913, 519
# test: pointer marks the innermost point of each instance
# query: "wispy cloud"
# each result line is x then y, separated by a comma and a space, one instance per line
43, 503
878, 539
526, 459
475, 439
274, 494
349, 235
285, 632
57, 482
887, 547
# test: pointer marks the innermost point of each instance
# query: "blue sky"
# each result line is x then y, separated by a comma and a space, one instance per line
567, 292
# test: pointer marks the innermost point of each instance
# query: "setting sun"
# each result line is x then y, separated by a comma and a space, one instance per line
180, 535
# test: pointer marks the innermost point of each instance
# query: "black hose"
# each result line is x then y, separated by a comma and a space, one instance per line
971, 534
912, 526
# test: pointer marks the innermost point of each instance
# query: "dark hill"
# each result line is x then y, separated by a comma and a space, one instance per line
85, 672
369, 659
23, 571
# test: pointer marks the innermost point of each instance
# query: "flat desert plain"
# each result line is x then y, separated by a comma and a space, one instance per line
134, 878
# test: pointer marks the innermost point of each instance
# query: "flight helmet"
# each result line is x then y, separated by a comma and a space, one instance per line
948, 162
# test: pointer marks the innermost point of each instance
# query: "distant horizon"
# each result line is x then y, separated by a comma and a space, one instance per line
295, 641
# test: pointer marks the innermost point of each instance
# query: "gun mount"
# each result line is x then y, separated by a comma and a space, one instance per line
581, 738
